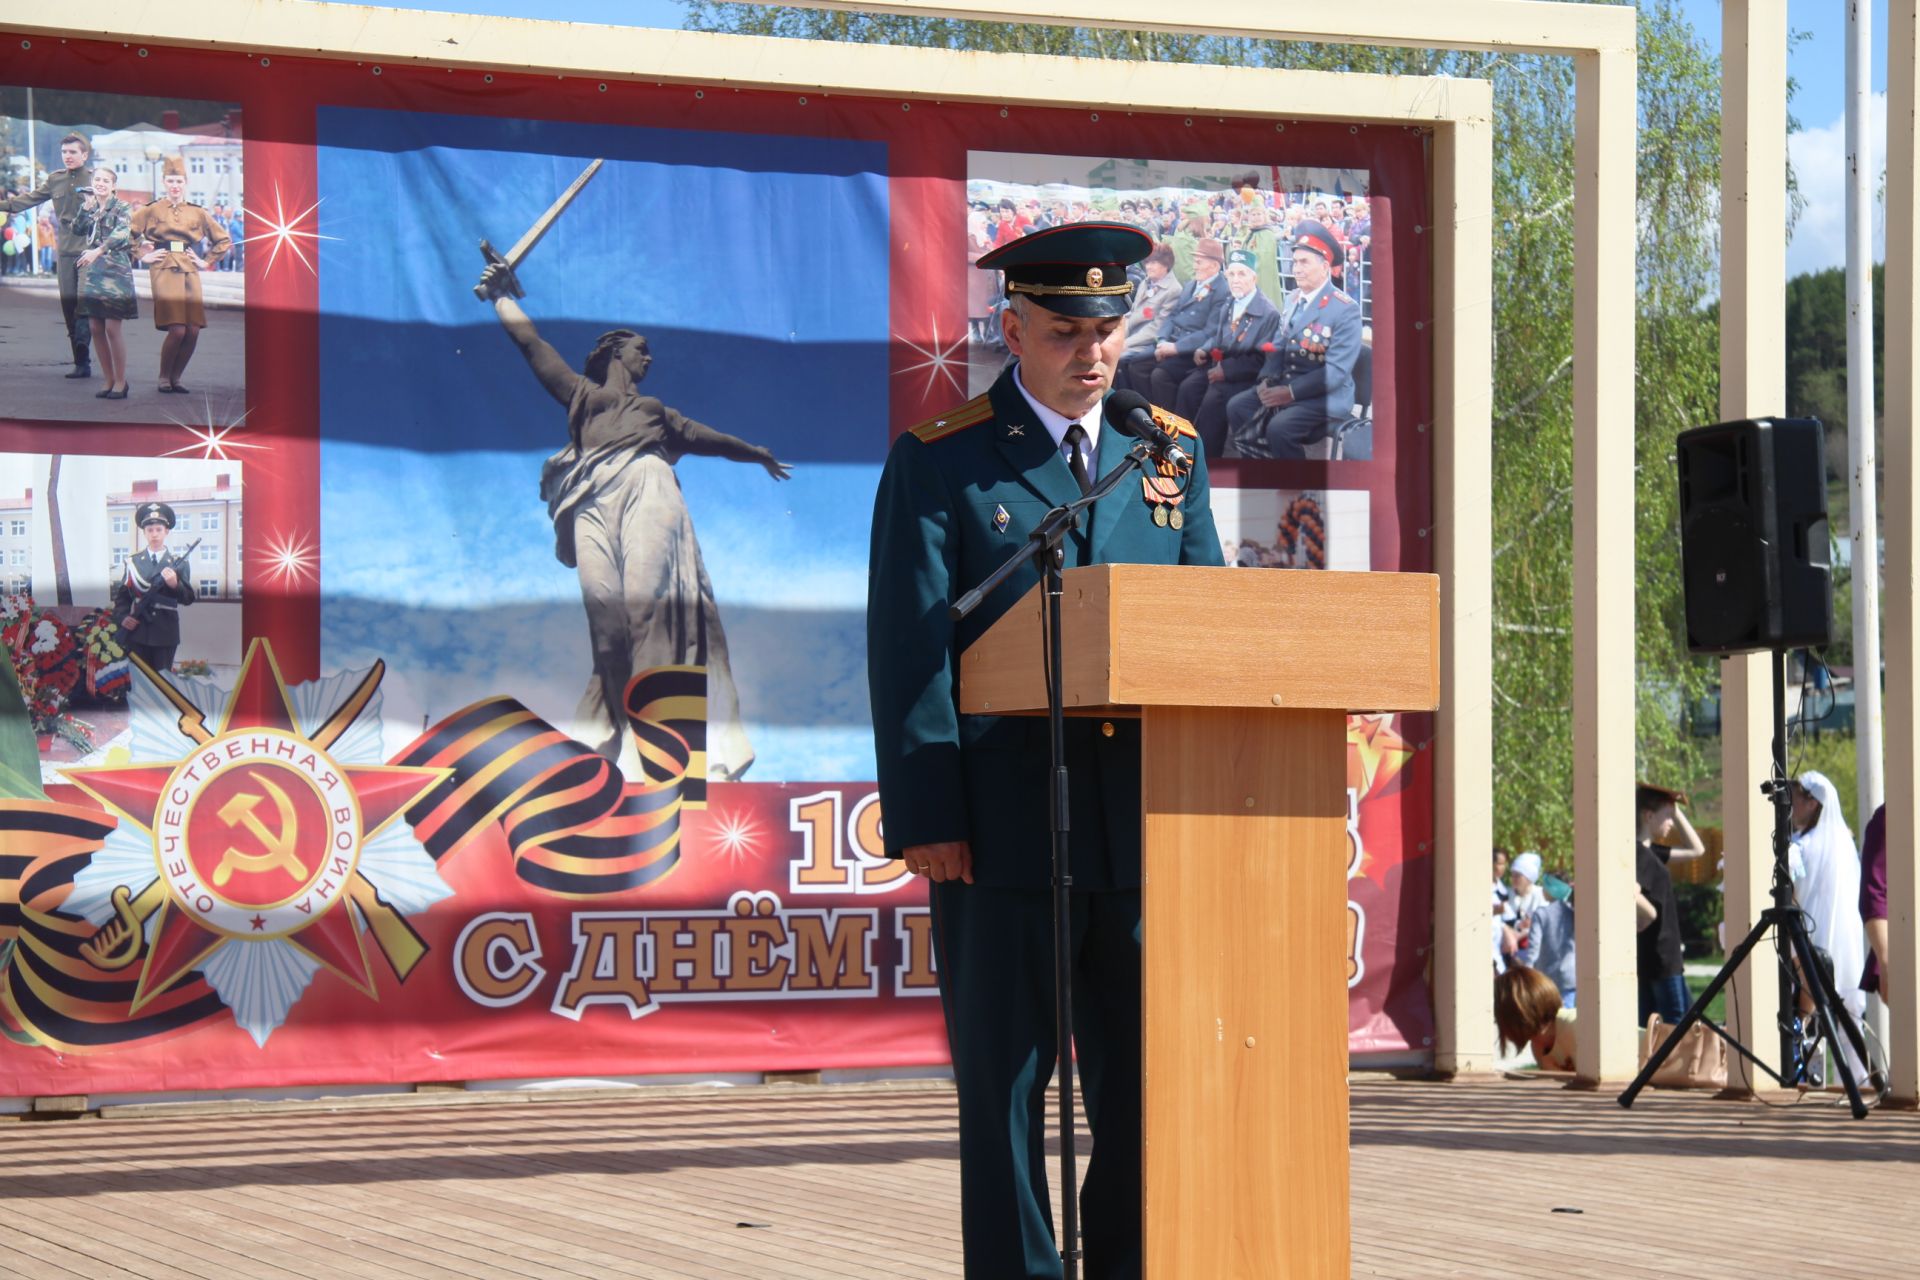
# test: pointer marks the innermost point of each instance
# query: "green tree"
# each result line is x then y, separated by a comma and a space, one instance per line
1676, 379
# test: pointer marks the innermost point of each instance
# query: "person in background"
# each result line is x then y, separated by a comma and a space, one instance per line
1505, 941
1528, 1010
173, 228
1157, 292
1548, 939
1826, 882
1660, 966
237, 232
106, 277
981, 293
1524, 882
64, 189
1873, 902
155, 638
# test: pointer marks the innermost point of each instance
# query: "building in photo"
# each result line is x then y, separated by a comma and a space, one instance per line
16, 542
210, 513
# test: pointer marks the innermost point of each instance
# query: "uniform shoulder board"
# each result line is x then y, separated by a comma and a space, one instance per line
1344, 296
1173, 424
972, 413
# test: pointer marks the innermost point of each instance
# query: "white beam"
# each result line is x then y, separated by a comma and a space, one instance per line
1605, 220
1753, 285
1514, 26
1463, 556
1903, 475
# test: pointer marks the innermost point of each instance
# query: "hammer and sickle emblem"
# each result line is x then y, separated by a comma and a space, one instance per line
238, 812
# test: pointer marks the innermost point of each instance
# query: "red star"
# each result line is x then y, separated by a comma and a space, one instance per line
260, 701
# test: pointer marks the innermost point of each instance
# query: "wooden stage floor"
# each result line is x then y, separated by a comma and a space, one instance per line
845, 1182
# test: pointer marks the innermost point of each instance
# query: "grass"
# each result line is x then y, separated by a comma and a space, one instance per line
1695, 985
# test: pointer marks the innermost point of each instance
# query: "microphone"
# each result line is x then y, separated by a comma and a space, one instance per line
1129, 413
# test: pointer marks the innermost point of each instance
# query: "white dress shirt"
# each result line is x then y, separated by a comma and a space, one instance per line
1057, 424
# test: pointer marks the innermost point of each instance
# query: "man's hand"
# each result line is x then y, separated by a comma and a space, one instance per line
494, 281
1200, 356
90, 257
1161, 350
129, 623
1216, 374
169, 577
952, 860
1275, 397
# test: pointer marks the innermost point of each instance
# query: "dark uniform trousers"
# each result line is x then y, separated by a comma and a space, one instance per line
66, 271
1259, 432
995, 952
157, 656
1204, 404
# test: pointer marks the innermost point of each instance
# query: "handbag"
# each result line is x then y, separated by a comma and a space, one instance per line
1699, 1061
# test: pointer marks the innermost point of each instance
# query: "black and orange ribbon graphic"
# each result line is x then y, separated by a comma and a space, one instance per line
574, 825
54, 994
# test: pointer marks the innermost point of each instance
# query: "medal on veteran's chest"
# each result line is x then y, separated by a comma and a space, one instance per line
1164, 494
1000, 518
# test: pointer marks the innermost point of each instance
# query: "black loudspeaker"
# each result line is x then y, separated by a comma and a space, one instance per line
1753, 535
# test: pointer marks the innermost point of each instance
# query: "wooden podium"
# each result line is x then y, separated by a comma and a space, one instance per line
1242, 680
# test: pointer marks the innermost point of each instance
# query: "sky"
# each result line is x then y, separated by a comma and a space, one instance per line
1816, 63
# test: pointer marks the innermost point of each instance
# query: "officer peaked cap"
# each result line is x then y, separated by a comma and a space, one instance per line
1076, 270
153, 511
1315, 238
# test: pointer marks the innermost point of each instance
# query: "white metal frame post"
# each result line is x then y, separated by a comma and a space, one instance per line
1865, 525
1903, 479
1753, 343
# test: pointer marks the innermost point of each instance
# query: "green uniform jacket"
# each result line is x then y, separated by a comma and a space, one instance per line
938, 532
66, 188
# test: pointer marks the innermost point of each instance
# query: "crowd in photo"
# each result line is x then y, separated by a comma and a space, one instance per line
1248, 318
1840, 887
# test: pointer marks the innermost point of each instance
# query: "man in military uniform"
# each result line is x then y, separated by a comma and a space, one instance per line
65, 188
965, 796
1306, 384
153, 572
1231, 360
1186, 326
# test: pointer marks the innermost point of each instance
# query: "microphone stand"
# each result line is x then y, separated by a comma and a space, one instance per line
1045, 547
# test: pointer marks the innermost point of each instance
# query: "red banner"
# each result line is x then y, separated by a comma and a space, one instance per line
359, 823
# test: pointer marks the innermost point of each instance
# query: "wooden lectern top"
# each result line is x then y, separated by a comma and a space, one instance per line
1139, 635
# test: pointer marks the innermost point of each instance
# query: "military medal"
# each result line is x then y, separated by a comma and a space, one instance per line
1000, 519
1160, 516
1174, 517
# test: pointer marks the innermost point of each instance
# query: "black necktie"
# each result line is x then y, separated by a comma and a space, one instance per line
1077, 458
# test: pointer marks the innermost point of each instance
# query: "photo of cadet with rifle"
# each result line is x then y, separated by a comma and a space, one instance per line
148, 597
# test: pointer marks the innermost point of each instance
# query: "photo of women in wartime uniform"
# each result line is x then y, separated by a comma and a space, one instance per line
99, 186
620, 521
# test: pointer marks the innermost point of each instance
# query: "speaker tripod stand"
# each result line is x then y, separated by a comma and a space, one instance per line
1799, 965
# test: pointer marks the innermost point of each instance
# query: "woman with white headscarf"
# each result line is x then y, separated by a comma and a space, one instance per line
1826, 880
